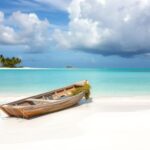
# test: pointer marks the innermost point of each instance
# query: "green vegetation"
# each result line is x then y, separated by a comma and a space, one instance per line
86, 88
9, 62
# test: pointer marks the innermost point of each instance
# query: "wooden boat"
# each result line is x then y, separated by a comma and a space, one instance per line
44, 103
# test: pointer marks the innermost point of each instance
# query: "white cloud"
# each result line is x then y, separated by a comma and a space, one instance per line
97, 26
1, 17
126, 18
8, 35
25, 29
107, 27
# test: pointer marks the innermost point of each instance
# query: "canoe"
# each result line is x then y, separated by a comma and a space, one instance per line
44, 103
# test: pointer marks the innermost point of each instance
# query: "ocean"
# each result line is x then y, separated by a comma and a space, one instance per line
104, 82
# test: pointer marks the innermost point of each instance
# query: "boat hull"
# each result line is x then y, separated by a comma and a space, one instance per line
37, 110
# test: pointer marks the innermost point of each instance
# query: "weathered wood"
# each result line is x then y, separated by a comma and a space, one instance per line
36, 105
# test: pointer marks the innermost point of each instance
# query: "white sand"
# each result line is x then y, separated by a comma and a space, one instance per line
107, 123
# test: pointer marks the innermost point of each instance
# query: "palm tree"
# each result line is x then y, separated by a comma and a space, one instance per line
1, 57
15, 61
9, 62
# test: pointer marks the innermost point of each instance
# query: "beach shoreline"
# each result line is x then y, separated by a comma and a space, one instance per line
5, 98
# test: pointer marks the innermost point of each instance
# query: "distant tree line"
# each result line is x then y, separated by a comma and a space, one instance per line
9, 62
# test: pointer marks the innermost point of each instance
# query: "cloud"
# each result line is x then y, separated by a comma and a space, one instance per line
25, 29
107, 27
1, 17
96, 26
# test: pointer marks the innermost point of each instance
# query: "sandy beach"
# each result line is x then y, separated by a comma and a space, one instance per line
107, 123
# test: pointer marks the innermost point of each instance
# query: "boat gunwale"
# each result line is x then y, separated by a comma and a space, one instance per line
42, 94
47, 103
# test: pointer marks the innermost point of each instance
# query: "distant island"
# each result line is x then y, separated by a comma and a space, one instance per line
69, 66
9, 62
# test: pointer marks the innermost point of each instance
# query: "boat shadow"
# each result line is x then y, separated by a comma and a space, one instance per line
85, 101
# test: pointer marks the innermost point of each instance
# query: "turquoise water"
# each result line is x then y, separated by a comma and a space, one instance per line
105, 82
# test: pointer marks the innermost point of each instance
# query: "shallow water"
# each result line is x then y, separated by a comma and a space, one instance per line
104, 82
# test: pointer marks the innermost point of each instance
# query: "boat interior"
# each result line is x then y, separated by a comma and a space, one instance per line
49, 97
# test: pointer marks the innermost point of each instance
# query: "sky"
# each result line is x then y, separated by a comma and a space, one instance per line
81, 33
